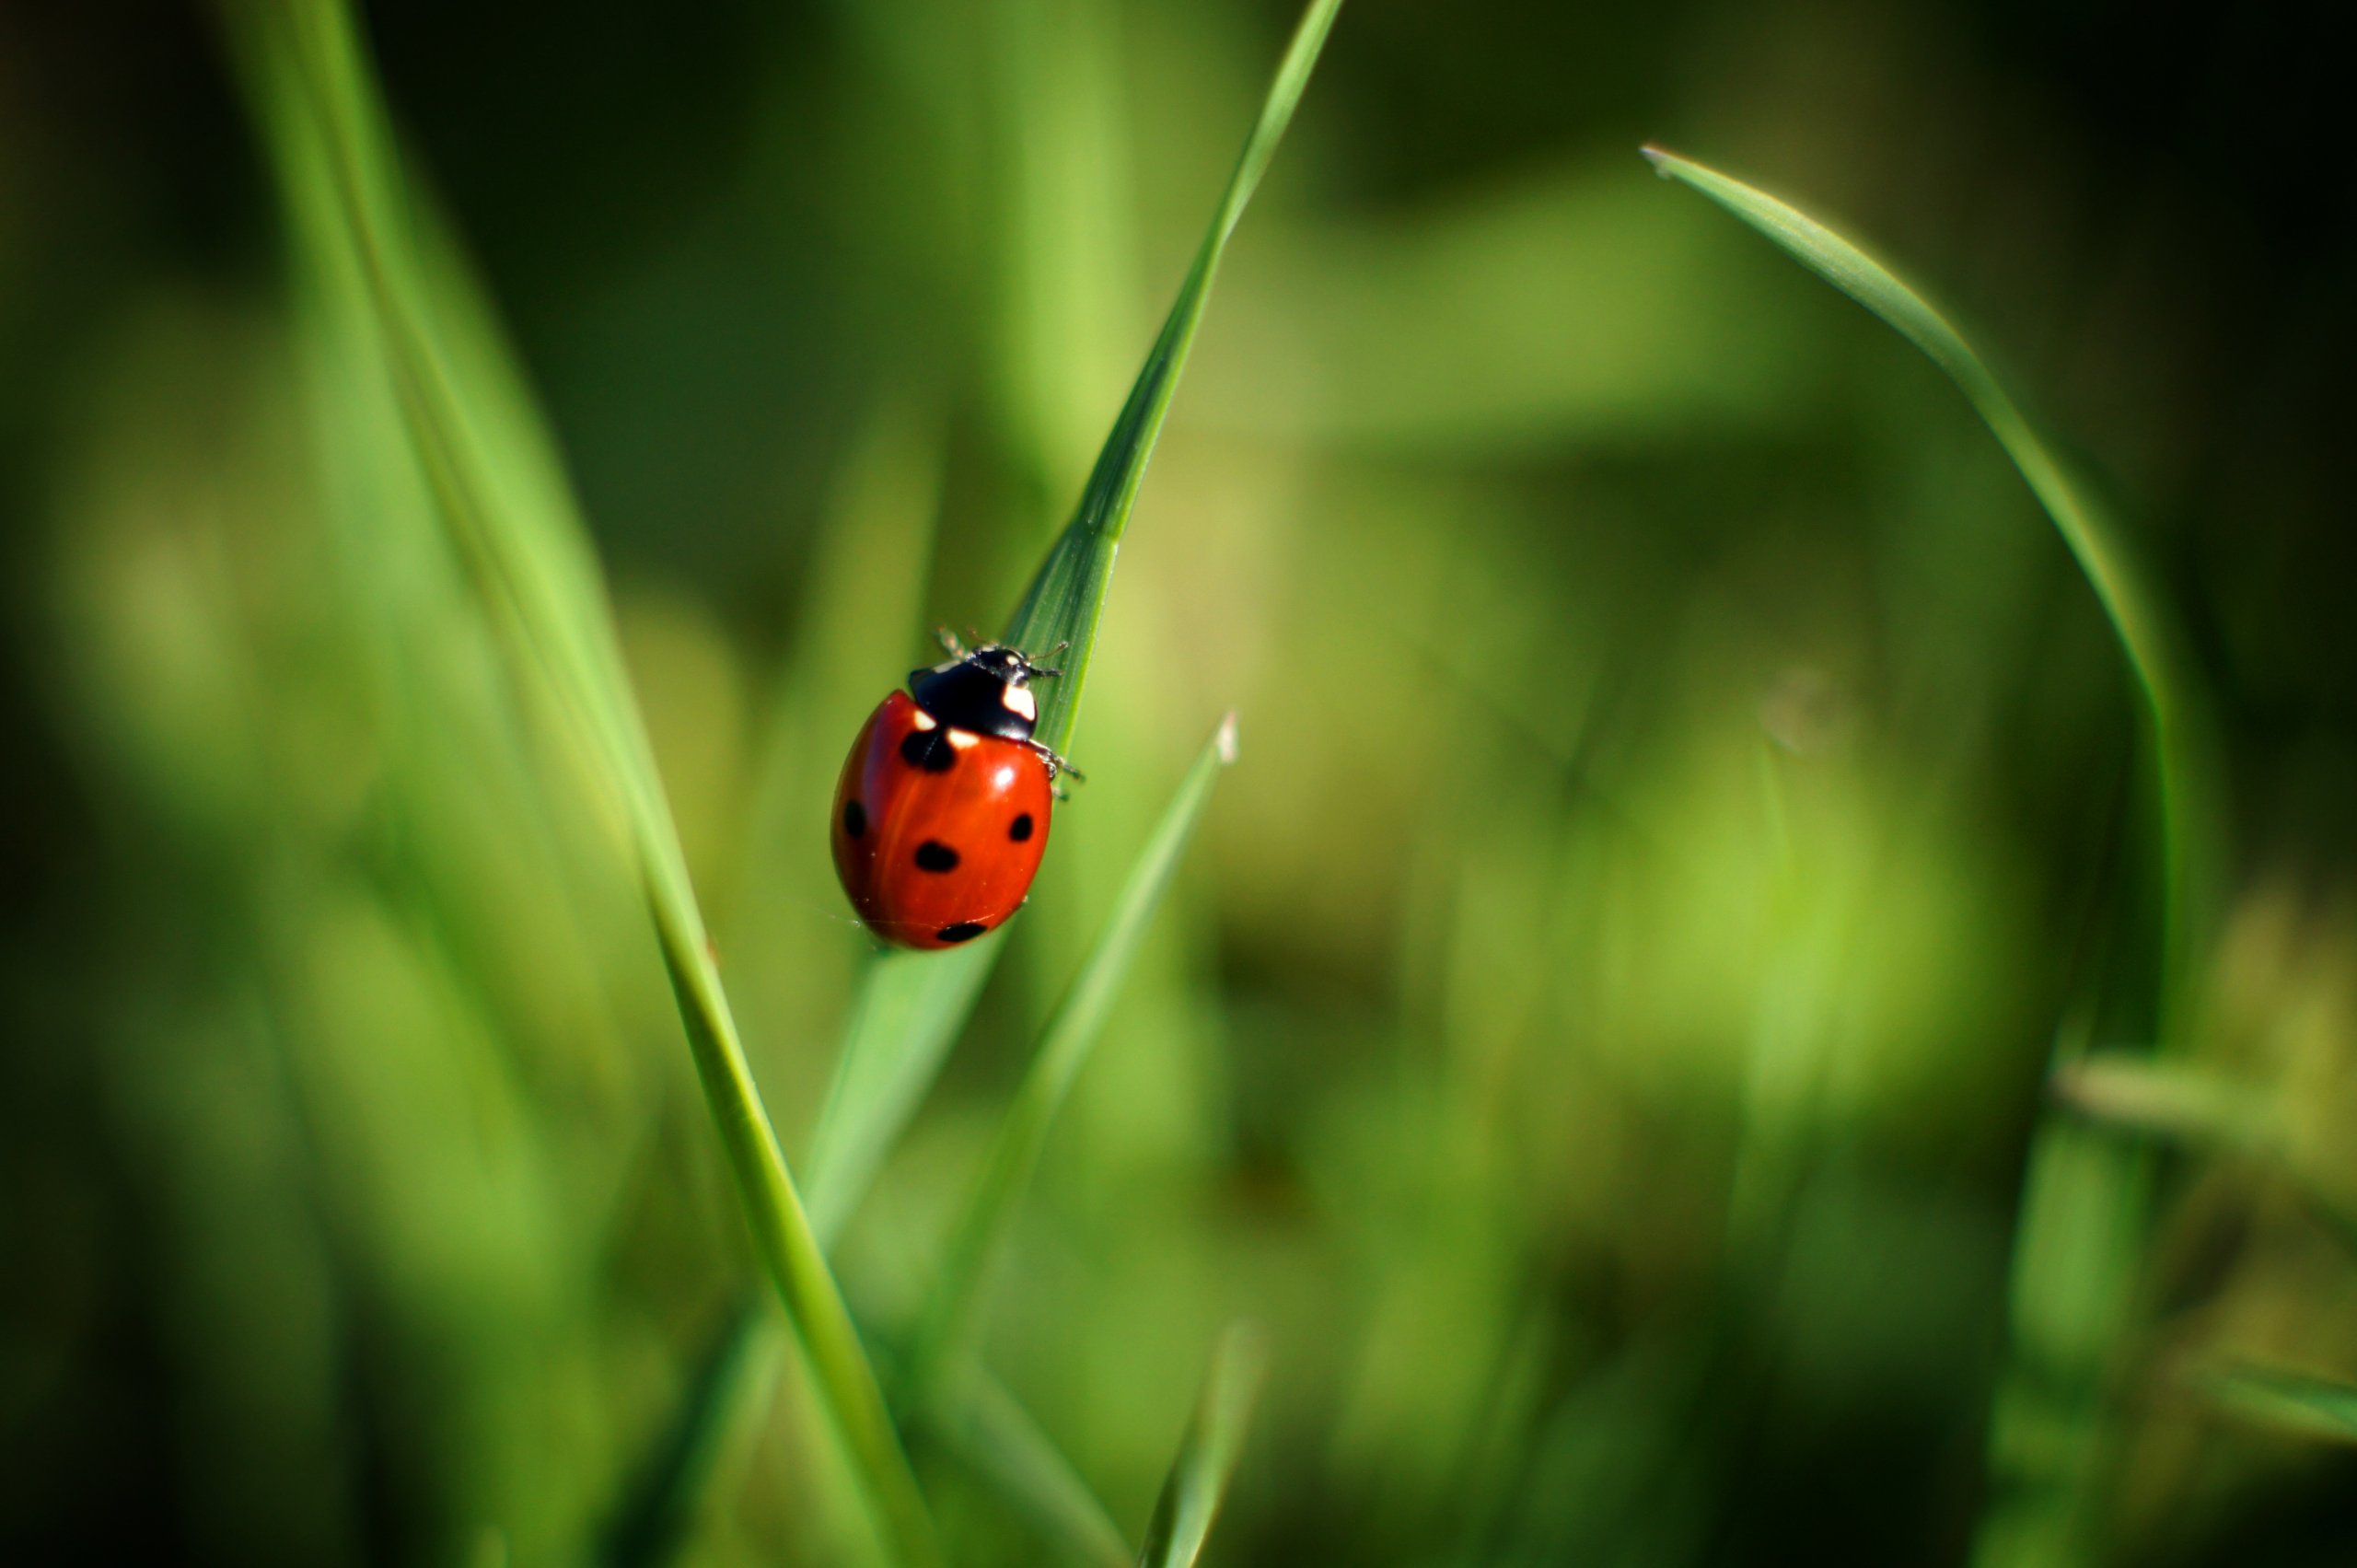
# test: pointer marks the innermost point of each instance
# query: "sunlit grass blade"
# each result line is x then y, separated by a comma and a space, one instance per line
1215, 1440
513, 527
911, 1006
1067, 597
2291, 1402
950, 1316
2147, 635
2167, 1098
2201, 1111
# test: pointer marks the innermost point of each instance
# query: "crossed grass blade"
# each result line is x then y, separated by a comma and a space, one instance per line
512, 527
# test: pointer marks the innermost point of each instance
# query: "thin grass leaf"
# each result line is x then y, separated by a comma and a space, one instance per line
2166, 1098
2285, 1402
948, 1323
1067, 597
1215, 1440
2147, 635
522, 544
2202, 1110
912, 1004
910, 1007
2083, 1204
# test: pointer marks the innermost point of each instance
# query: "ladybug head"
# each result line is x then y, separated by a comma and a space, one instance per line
985, 692
1009, 665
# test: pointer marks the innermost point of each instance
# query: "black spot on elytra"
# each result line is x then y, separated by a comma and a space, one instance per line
1020, 830
935, 855
854, 818
929, 750
964, 931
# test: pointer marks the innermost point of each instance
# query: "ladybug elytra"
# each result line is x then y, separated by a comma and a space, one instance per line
941, 813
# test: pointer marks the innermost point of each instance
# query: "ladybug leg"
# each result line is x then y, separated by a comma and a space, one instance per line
949, 640
1056, 764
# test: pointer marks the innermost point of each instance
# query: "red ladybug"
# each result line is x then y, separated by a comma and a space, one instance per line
941, 814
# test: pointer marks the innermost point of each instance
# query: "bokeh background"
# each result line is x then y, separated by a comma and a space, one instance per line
1687, 790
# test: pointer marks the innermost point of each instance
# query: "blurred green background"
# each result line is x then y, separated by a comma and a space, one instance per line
1687, 790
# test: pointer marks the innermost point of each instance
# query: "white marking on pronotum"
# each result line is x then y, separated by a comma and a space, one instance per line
961, 738
926, 721
1019, 701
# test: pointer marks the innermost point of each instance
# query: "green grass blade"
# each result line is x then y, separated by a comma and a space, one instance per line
948, 1323
909, 1009
513, 527
1067, 596
1199, 1476
2200, 1109
2169, 1099
912, 1005
2147, 635
2290, 1403
2083, 1204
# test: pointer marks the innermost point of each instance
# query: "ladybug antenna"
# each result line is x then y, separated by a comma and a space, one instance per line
1041, 672
949, 640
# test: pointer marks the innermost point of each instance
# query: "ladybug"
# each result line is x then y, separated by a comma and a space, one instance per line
941, 813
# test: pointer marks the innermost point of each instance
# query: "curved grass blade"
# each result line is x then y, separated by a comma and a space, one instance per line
2084, 1205
514, 530
2147, 635
1199, 1476
2290, 1403
948, 1324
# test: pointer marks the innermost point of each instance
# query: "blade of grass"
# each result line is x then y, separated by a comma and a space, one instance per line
2292, 1402
2147, 635
2200, 1110
529, 559
1067, 597
948, 1323
1199, 1476
2082, 1217
2164, 1098
912, 1005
